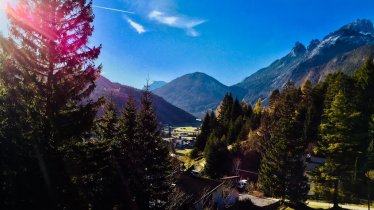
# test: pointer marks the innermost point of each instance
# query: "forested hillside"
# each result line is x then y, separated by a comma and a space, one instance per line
333, 119
119, 94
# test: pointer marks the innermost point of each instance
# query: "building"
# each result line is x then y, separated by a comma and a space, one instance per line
202, 191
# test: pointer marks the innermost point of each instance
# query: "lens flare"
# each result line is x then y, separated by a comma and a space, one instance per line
20, 14
3, 4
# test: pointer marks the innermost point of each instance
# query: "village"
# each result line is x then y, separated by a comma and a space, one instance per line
225, 192
202, 191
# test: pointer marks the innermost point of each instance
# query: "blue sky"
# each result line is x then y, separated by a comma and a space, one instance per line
227, 39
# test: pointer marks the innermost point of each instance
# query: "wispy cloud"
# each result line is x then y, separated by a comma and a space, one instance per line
139, 28
113, 9
167, 13
176, 21
158, 12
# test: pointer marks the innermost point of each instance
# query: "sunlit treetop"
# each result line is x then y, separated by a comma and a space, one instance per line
54, 36
49, 53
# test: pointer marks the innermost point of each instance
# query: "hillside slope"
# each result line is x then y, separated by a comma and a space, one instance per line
166, 112
156, 84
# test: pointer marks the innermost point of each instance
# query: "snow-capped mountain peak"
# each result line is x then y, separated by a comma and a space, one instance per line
298, 49
363, 26
338, 50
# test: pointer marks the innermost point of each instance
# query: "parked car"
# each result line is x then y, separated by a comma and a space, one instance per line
242, 184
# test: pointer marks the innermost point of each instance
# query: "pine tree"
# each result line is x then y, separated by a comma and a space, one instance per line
370, 150
225, 109
308, 108
282, 167
364, 79
258, 109
4, 168
273, 98
202, 138
128, 151
234, 130
48, 74
272, 174
247, 109
231, 133
337, 82
338, 144
262, 136
127, 132
244, 131
98, 178
155, 163
217, 157
236, 110
52, 39
107, 126
257, 113
369, 166
216, 127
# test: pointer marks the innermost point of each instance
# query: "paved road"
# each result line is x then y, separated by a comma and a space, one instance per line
268, 201
258, 201
313, 203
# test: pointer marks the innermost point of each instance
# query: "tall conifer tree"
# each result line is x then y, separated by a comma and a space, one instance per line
128, 152
339, 145
282, 168
48, 73
202, 138
155, 162
127, 123
107, 126
217, 157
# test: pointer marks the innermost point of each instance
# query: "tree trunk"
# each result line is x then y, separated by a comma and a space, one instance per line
369, 194
44, 171
335, 199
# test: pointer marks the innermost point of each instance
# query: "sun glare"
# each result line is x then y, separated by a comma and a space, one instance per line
3, 19
2, 6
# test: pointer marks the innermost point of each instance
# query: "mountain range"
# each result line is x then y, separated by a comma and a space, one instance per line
119, 94
342, 50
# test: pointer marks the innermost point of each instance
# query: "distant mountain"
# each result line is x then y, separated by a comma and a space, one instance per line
196, 93
166, 113
342, 50
156, 84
